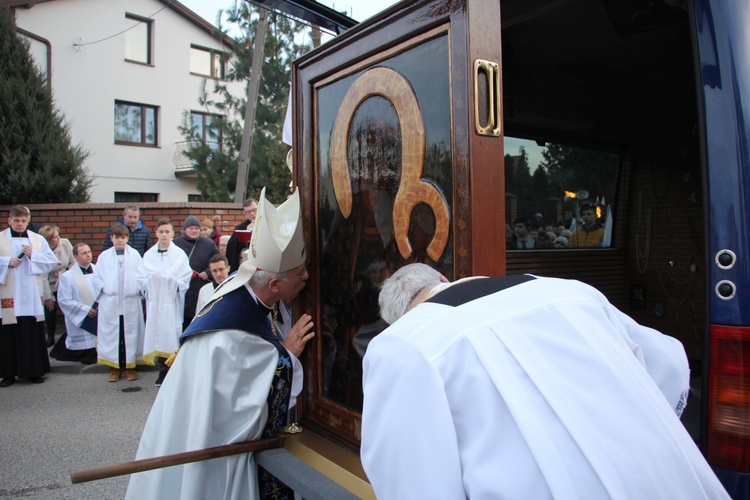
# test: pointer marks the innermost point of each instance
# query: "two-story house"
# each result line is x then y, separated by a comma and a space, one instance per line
127, 74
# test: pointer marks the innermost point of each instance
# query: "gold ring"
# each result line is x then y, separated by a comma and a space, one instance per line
299, 337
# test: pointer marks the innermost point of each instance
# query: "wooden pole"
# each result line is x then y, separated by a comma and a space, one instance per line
176, 459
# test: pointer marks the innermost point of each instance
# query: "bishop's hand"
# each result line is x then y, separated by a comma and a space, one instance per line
299, 335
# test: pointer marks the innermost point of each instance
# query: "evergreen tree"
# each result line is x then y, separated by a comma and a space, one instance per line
215, 164
38, 164
518, 174
540, 184
216, 168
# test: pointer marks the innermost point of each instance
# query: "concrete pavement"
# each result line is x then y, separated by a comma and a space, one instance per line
75, 420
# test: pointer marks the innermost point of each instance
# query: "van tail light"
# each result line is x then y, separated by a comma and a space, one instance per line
728, 438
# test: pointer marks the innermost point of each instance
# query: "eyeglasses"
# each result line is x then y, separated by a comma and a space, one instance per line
251, 211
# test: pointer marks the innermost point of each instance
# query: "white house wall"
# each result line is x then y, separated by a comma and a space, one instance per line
86, 81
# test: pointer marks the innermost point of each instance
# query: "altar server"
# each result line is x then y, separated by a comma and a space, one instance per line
120, 315
164, 277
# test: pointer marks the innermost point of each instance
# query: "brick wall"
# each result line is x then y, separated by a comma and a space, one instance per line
88, 222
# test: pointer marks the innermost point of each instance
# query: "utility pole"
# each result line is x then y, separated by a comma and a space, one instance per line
252, 101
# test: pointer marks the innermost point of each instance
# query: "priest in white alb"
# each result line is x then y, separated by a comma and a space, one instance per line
523, 387
234, 378
77, 293
164, 277
24, 257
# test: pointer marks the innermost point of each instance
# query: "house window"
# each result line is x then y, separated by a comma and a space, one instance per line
123, 197
207, 62
135, 124
195, 197
138, 40
207, 128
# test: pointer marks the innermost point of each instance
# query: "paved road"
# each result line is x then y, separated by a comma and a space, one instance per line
75, 420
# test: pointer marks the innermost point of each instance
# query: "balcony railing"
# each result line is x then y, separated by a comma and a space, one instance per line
183, 165
180, 160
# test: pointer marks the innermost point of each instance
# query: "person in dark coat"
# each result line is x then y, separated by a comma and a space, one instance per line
199, 250
140, 234
234, 247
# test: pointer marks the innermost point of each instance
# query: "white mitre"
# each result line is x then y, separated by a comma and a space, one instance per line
277, 244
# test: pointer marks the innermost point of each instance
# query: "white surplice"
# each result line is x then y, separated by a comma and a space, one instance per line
218, 386
23, 284
215, 394
542, 390
76, 293
204, 294
163, 277
120, 296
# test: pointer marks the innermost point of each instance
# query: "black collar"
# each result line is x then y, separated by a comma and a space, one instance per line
469, 290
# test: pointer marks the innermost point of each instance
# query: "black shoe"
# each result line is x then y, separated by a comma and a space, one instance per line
50, 341
6, 382
162, 374
36, 380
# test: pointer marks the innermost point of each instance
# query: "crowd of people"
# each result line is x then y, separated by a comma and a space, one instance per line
533, 233
127, 309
